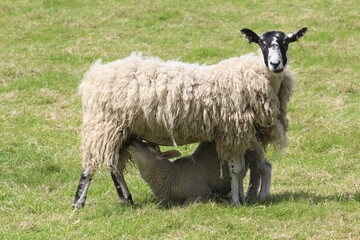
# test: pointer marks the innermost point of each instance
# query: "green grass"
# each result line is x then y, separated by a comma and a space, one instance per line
46, 46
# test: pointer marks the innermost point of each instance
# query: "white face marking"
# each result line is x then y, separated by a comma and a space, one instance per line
275, 61
290, 35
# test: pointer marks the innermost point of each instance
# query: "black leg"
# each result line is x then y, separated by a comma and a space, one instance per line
118, 177
82, 189
121, 187
117, 186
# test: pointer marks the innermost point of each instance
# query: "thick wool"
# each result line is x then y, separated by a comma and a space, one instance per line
238, 103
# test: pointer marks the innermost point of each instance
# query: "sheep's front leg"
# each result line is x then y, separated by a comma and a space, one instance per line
242, 175
82, 189
237, 173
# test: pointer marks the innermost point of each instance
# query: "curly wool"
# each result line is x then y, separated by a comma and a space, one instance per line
238, 103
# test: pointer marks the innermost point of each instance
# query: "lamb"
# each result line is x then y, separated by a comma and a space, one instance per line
239, 103
185, 180
190, 178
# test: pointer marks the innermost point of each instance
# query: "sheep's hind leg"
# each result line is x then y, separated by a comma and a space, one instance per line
119, 180
82, 189
237, 173
121, 187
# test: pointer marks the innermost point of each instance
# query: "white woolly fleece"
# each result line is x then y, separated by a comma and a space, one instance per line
238, 103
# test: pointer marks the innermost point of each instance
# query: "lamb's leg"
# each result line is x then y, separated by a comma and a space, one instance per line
82, 189
254, 159
254, 184
119, 180
265, 180
237, 173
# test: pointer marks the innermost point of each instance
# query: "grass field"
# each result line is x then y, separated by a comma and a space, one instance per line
46, 46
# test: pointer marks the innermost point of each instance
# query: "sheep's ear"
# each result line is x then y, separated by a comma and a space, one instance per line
250, 35
170, 154
292, 37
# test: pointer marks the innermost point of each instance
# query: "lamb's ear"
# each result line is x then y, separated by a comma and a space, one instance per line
170, 154
292, 37
250, 35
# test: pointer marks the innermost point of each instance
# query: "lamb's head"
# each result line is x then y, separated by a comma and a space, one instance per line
146, 152
274, 46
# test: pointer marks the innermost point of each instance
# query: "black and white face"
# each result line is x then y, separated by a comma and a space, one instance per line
274, 46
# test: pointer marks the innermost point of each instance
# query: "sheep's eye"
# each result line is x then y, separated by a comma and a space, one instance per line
262, 44
153, 147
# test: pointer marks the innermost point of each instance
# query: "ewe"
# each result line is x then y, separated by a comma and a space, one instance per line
239, 103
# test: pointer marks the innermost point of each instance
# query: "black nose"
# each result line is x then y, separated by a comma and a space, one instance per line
275, 64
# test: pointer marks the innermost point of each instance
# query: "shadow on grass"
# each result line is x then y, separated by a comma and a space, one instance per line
274, 199
312, 198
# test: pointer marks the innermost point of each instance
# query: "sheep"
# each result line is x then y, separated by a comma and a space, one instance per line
190, 178
187, 179
239, 103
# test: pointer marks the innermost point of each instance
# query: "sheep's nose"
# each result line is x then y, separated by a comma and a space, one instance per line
275, 65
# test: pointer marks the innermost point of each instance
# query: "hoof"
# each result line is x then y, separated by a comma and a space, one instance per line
77, 205
251, 198
128, 201
242, 200
262, 197
236, 204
